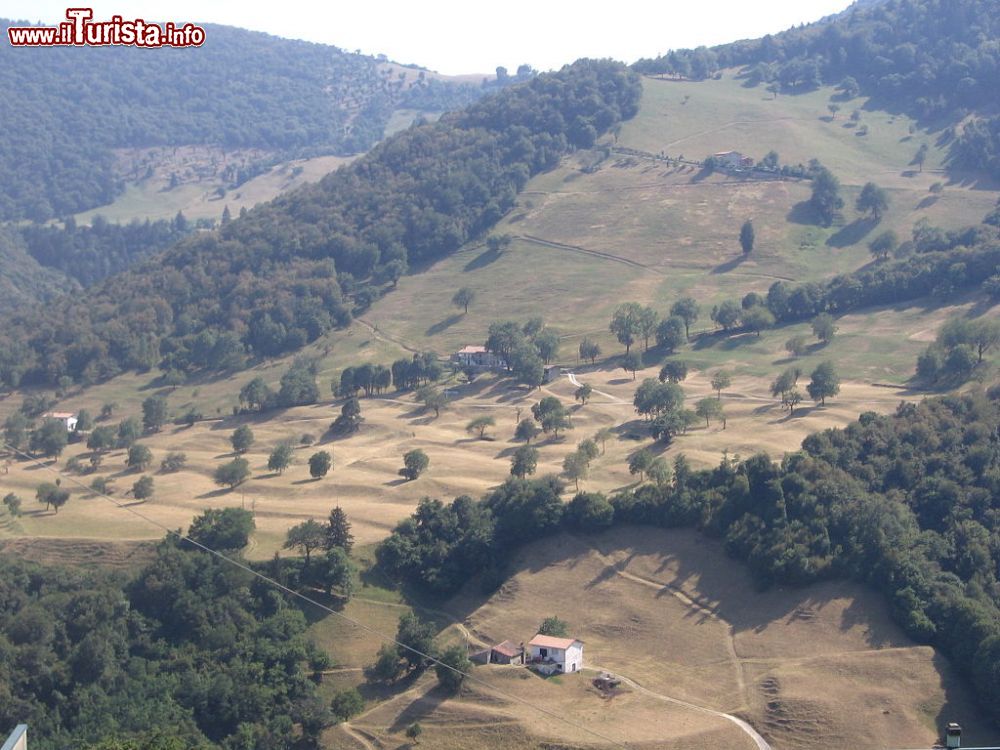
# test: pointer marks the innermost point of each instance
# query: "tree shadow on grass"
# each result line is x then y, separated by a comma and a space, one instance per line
803, 213
729, 265
853, 233
928, 201
215, 493
443, 325
482, 260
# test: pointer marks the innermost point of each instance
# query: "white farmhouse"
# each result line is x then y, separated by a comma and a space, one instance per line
550, 655
478, 357
67, 418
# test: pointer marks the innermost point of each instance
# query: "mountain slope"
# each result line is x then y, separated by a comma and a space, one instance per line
268, 282
937, 59
67, 109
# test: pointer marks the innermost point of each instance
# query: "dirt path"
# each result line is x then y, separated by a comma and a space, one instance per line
357, 736
380, 334
752, 733
577, 383
584, 251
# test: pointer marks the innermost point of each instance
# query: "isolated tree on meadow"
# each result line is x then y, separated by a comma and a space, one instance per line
873, 200
242, 438
720, 381
921, 156
603, 435
255, 394
796, 346
139, 458
825, 199
524, 461
526, 430
280, 458
154, 413
708, 408
463, 298
632, 362
481, 424
415, 463
824, 383
52, 495
747, 237
232, 474
823, 327
583, 393
673, 371
576, 467
307, 536
320, 464
551, 414
590, 349
834, 109
143, 488
174, 461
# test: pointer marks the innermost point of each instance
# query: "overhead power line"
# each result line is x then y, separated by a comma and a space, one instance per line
299, 595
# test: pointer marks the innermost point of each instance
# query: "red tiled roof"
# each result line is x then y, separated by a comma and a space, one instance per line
507, 648
548, 641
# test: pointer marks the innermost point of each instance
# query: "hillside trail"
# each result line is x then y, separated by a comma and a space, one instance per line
752, 733
578, 384
357, 736
701, 609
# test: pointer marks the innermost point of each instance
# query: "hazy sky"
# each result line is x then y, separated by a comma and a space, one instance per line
474, 37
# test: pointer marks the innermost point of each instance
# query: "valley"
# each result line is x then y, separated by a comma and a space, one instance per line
825, 574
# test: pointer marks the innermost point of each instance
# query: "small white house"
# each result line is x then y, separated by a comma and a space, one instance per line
65, 417
551, 655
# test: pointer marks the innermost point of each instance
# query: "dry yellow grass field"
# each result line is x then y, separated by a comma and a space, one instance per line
811, 668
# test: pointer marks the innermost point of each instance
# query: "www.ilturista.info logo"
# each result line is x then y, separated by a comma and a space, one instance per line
79, 30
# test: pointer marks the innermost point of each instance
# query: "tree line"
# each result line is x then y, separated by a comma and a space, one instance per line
905, 503
289, 271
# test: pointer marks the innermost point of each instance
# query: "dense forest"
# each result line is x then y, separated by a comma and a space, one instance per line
932, 58
288, 271
189, 647
23, 281
67, 108
87, 254
906, 503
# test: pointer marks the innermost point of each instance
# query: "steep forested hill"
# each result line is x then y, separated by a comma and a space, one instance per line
283, 274
66, 109
933, 58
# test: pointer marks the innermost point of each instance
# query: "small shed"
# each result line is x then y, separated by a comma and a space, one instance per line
550, 373
507, 652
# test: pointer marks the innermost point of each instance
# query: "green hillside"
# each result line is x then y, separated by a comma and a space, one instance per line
241, 91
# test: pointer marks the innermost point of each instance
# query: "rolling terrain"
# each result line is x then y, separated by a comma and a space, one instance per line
812, 667
629, 219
